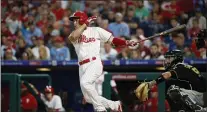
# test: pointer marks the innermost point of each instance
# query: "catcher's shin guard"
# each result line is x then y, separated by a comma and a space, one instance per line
191, 103
176, 96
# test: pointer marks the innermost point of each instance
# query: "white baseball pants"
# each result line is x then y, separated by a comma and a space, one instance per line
88, 73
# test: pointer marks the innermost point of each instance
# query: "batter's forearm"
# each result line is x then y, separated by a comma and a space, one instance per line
77, 33
117, 41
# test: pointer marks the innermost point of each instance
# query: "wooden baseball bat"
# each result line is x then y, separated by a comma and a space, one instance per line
165, 32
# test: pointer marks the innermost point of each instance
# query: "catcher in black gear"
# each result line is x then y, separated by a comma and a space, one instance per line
191, 98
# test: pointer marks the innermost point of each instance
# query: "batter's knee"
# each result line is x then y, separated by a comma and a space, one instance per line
85, 85
88, 100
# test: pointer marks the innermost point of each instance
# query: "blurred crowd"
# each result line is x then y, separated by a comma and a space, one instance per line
38, 30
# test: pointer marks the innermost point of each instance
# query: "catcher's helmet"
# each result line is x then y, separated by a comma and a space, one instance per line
177, 57
79, 15
49, 89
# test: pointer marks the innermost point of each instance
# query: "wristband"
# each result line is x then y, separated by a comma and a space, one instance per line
160, 79
119, 42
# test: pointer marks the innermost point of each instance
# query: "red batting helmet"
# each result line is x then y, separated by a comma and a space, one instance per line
49, 89
79, 15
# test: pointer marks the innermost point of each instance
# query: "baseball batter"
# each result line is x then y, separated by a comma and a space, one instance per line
86, 41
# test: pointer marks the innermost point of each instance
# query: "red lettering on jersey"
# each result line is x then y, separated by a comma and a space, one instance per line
86, 40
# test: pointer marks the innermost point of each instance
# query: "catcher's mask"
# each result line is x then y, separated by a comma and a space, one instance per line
172, 57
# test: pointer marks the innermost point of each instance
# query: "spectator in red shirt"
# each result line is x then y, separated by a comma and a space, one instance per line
144, 51
67, 12
4, 29
58, 11
43, 23
170, 9
151, 105
192, 32
24, 13
28, 101
194, 49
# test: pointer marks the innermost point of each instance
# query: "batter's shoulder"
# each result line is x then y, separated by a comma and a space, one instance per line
94, 28
98, 29
91, 28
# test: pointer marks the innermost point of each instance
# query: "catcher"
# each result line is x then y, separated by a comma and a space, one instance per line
191, 98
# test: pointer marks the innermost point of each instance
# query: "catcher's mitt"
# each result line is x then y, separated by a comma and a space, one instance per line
141, 91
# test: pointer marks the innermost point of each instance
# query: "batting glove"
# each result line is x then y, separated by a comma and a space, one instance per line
131, 43
90, 20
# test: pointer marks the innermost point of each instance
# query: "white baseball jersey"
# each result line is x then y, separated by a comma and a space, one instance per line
54, 103
88, 45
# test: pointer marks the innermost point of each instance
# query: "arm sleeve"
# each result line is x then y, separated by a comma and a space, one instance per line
58, 103
104, 35
179, 71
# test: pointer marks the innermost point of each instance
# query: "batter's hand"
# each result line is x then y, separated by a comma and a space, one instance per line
90, 20
131, 43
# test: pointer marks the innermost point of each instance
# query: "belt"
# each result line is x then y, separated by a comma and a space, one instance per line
86, 61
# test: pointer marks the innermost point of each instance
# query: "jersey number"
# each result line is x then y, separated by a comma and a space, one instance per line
193, 69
